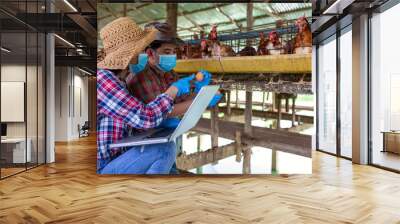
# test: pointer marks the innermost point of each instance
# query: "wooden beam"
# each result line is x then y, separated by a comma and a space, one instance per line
247, 161
249, 18
214, 129
283, 87
248, 115
199, 169
284, 141
198, 159
286, 63
274, 162
263, 101
248, 112
286, 104
238, 138
278, 125
237, 94
172, 15
294, 111
267, 105
228, 103
270, 114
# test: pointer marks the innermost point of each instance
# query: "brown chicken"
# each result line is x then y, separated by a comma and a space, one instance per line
274, 45
205, 49
213, 36
262, 45
213, 48
302, 43
248, 50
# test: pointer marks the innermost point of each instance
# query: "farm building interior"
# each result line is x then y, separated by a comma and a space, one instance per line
331, 113
232, 41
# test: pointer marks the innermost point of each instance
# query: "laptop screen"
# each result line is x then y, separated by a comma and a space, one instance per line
195, 110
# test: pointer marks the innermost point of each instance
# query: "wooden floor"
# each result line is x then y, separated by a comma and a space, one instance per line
69, 191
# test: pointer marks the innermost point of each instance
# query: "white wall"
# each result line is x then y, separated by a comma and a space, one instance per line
70, 83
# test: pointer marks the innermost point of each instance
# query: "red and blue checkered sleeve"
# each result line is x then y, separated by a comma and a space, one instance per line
115, 101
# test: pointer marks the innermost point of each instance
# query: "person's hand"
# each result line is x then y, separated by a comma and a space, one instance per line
171, 122
183, 85
206, 80
215, 100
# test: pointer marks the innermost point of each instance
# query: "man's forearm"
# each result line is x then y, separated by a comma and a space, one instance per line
180, 108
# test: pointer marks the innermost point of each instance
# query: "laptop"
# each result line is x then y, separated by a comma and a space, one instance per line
163, 135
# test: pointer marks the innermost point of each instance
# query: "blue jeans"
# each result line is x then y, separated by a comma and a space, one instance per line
146, 159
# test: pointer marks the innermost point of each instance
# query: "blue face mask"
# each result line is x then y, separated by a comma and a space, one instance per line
142, 62
167, 62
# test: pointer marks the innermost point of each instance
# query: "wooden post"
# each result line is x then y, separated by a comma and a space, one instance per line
248, 111
237, 95
238, 138
172, 15
274, 162
214, 131
228, 103
263, 101
125, 9
247, 161
248, 129
287, 104
294, 110
279, 100
250, 19
274, 101
199, 170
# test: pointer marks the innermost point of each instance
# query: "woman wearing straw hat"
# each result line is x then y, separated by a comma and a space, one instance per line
119, 113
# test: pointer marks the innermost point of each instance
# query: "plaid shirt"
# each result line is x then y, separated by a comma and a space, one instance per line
118, 113
149, 83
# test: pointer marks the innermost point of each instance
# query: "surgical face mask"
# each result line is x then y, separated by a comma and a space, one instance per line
167, 62
142, 62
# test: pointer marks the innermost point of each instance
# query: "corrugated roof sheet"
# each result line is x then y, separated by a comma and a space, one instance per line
205, 14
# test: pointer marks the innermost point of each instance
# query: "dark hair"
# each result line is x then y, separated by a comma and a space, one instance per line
155, 44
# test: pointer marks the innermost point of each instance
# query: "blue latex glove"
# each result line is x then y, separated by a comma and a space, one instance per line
170, 122
183, 85
215, 100
206, 80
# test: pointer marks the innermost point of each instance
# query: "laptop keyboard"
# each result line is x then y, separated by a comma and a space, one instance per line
161, 133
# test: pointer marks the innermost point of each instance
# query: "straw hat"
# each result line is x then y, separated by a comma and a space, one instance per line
123, 39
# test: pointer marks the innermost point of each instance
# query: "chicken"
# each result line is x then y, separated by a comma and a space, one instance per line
222, 50
213, 36
274, 45
248, 50
262, 45
205, 49
302, 43
213, 48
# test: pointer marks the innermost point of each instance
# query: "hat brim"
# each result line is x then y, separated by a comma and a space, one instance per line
120, 58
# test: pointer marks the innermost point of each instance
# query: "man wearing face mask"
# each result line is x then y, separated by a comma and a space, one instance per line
157, 74
156, 65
